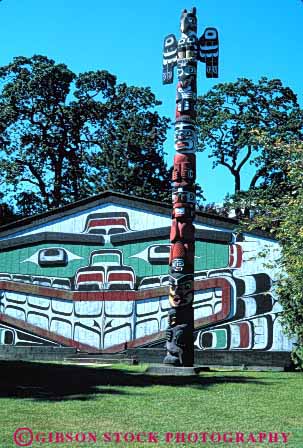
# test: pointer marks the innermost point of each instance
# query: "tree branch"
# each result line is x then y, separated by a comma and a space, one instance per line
246, 158
261, 172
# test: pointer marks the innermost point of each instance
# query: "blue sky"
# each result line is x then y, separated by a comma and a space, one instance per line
257, 38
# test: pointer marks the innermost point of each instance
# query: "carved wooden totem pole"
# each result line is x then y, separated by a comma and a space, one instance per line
185, 54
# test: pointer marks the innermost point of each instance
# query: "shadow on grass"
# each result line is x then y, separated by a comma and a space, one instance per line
48, 381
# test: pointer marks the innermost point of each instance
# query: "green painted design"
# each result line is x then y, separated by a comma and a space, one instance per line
211, 256
221, 341
14, 261
99, 259
208, 256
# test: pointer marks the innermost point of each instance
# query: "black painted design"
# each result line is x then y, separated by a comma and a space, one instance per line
10, 335
52, 256
105, 271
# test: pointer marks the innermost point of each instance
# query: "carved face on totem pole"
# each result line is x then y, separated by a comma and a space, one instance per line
184, 54
188, 48
184, 172
185, 136
181, 258
185, 70
185, 91
188, 22
182, 196
185, 100
181, 290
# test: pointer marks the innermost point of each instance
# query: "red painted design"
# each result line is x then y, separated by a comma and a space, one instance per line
182, 231
177, 251
225, 286
184, 171
46, 334
235, 256
244, 335
93, 277
120, 276
107, 222
220, 283
43, 291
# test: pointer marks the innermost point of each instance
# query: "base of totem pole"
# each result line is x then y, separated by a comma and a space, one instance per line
166, 370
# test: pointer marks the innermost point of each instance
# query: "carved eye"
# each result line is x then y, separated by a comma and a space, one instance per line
169, 41
53, 256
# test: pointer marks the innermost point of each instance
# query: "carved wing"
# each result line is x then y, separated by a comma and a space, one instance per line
169, 58
209, 52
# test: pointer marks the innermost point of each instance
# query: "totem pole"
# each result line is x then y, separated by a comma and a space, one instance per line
185, 54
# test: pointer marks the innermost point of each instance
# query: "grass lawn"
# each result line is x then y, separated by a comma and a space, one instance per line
50, 397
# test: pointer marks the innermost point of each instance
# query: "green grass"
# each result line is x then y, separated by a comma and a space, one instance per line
49, 397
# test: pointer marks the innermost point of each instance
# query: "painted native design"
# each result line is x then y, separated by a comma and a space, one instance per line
185, 54
109, 290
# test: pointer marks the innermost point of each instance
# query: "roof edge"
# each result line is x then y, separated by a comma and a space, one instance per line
126, 200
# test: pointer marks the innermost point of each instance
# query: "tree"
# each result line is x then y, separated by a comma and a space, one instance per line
35, 140
261, 124
127, 149
64, 137
231, 118
283, 216
6, 213
214, 209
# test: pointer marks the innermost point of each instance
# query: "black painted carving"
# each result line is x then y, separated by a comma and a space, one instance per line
185, 54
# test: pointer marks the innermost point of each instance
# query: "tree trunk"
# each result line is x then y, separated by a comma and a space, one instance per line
238, 211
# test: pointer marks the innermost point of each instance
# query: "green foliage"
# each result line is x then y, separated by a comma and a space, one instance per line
214, 209
6, 213
231, 118
64, 137
282, 215
290, 233
262, 125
